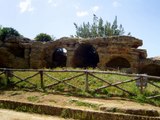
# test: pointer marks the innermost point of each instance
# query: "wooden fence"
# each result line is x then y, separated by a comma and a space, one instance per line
90, 79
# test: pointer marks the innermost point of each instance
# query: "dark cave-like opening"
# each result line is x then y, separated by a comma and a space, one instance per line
85, 56
17, 51
118, 63
59, 57
151, 69
2, 64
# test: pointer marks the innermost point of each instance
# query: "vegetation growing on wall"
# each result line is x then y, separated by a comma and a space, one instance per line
43, 37
6, 32
98, 28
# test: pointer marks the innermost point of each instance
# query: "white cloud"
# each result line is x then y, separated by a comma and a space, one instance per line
116, 3
52, 3
82, 13
26, 6
76, 7
95, 8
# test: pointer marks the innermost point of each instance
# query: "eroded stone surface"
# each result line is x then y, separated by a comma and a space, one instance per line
120, 52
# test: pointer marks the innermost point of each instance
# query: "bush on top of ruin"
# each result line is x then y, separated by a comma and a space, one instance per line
6, 32
43, 37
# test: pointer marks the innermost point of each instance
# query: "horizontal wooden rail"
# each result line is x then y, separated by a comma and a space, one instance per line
89, 71
141, 80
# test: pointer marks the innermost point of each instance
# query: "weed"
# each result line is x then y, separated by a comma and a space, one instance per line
85, 104
33, 98
53, 101
64, 113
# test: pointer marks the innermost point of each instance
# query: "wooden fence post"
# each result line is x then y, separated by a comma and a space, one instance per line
86, 82
41, 79
8, 74
143, 83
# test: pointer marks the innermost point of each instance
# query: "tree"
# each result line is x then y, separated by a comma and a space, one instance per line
0, 27
43, 37
101, 29
6, 32
98, 28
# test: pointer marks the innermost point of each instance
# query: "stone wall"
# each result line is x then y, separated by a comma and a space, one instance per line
117, 53
15, 52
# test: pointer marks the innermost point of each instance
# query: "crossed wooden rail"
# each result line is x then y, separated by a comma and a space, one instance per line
141, 80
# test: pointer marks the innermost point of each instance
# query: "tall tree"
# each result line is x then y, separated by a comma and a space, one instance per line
98, 28
101, 29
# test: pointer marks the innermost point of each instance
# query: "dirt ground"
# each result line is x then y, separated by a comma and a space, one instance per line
73, 102
13, 115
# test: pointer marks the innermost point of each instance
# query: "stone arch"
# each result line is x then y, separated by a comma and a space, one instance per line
85, 56
118, 63
2, 63
17, 51
59, 57
151, 69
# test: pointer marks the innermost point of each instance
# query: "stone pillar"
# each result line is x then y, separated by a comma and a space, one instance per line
27, 56
37, 56
135, 67
134, 62
102, 62
70, 54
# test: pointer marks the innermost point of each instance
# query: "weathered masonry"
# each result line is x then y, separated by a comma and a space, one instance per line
118, 52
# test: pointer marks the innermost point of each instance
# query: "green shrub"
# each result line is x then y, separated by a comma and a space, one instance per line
6, 32
43, 37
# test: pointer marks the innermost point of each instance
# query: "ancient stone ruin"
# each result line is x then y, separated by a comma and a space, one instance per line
113, 53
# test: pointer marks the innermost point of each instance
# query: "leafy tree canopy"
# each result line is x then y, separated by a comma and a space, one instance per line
6, 32
98, 28
43, 37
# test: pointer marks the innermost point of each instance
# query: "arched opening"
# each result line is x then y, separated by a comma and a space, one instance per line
2, 63
118, 63
17, 51
59, 57
151, 69
85, 56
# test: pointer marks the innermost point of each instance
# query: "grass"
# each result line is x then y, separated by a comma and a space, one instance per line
85, 104
33, 98
34, 83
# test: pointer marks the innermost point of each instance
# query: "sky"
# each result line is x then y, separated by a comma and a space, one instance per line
56, 17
